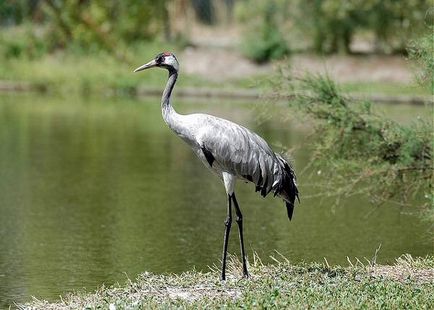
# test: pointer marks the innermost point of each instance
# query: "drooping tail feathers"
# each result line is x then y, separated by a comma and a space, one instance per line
288, 189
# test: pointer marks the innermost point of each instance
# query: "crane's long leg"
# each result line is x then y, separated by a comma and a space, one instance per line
228, 224
240, 230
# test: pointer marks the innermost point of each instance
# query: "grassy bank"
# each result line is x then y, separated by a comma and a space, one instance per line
409, 284
100, 73
66, 72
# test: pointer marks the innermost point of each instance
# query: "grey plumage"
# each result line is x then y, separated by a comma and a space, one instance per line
240, 152
231, 151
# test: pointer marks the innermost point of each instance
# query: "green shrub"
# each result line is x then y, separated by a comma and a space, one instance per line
363, 151
264, 41
422, 51
22, 41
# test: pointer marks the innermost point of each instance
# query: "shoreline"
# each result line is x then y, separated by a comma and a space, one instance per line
406, 284
208, 92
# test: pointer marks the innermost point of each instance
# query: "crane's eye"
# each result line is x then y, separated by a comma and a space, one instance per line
160, 59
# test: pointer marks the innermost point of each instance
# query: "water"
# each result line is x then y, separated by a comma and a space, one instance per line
94, 190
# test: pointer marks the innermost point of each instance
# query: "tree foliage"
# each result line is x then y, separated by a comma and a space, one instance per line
103, 23
329, 26
265, 40
333, 23
363, 152
422, 51
88, 25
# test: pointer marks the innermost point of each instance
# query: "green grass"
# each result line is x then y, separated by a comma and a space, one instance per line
408, 284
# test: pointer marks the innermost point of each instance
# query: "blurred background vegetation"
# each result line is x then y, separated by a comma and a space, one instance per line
271, 29
86, 45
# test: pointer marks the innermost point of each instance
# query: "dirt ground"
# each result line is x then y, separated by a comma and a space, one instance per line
215, 56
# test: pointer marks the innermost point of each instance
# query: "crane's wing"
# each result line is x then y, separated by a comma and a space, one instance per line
241, 152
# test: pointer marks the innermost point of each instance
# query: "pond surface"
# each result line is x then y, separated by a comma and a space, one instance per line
93, 190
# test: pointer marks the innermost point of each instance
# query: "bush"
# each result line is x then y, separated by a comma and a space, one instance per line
264, 41
22, 41
332, 23
422, 51
364, 152
79, 25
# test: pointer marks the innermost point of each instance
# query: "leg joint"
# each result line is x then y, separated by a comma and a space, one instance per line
228, 221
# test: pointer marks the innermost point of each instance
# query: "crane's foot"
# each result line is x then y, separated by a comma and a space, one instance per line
223, 276
246, 275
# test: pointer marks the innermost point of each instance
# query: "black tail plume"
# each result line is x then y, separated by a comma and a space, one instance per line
289, 209
288, 189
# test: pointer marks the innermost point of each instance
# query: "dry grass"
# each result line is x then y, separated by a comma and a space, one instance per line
406, 268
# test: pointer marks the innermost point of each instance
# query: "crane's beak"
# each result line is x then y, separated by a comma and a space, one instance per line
148, 65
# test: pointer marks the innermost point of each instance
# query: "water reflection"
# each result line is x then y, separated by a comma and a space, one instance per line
91, 190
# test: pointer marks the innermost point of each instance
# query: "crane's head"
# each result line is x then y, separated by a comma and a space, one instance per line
164, 60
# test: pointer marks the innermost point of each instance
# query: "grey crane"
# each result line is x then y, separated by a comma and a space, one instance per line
231, 151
